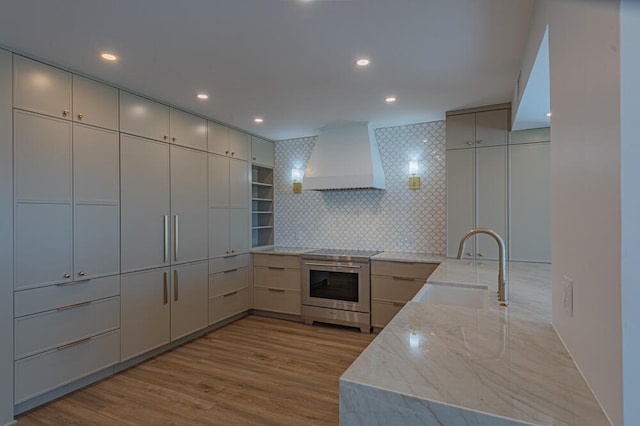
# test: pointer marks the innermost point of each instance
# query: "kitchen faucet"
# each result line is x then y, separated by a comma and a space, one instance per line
503, 293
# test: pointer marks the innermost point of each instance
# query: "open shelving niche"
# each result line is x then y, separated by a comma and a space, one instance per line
261, 206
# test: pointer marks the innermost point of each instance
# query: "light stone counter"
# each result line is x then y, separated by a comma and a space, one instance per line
452, 365
282, 250
408, 257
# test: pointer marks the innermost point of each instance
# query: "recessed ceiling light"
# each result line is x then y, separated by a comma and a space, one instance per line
109, 57
390, 99
362, 62
258, 120
548, 114
202, 96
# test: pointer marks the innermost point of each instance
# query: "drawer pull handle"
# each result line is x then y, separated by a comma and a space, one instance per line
276, 290
173, 138
230, 271
175, 285
231, 294
67, 275
65, 112
77, 342
166, 290
77, 305
469, 142
398, 304
403, 278
80, 116
276, 268
175, 238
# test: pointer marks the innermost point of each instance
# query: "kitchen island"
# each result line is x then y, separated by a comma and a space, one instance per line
444, 364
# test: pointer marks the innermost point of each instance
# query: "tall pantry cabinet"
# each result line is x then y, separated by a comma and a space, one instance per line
66, 239
164, 213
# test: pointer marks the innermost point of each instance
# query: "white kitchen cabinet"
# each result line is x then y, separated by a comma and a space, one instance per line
145, 311
145, 203
276, 283
189, 209
228, 232
461, 199
530, 201
189, 298
95, 103
262, 152
229, 142
188, 130
143, 117
41, 88
475, 129
228, 182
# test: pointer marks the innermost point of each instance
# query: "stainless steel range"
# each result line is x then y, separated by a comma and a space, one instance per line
336, 287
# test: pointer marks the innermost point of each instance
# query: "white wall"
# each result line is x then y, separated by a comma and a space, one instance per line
6, 241
584, 47
630, 184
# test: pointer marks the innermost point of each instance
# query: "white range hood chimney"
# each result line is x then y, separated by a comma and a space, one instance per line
345, 157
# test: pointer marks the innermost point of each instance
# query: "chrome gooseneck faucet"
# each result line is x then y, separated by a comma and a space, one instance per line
503, 293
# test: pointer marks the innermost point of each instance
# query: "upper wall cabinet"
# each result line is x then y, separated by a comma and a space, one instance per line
95, 103
226, 141
41, 88
477, 129
262, 152
188, 130
142, 117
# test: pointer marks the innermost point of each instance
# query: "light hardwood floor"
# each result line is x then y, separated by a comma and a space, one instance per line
256, 371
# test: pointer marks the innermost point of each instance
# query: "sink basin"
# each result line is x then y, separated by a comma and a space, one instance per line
456, 295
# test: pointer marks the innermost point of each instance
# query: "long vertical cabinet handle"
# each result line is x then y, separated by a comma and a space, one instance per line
166, 238
175, 285
166, 290
175, 238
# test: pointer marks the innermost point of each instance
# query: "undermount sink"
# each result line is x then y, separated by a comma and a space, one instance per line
452, 294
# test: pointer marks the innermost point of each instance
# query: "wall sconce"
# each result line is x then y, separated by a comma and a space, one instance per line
414, 179
296, 177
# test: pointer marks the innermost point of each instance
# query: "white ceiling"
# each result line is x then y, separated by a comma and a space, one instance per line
290, 61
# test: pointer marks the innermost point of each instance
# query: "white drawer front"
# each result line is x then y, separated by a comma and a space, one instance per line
395, 289
403, 269
47, 330
222, 264
42, 299
277, 260
227, 305
276, 300
44, 372
226, 282
382, 312
276, 277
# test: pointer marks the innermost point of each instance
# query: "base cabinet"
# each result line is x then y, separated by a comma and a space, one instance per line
276, 283
393, 284
228, 287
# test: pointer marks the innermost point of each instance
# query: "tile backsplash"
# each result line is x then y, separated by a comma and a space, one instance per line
396, 219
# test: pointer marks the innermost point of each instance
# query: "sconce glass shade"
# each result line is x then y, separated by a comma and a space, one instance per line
296, 175
413, 167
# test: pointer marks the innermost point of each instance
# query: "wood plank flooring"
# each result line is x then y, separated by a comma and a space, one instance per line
256, 371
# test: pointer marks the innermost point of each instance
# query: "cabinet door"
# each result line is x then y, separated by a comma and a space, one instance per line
460, 199
95, 103
142, 117
145, 311
219, 232
460, 131
239, 144
41, 88
96, 249
492, 127
491, 198
238, 183
262, 152
239, 230
218, 181
530, 202
217, 138
189, 298
188, 130
189, 207
145, 203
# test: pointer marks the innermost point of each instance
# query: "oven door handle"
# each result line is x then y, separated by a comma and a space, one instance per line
333, 266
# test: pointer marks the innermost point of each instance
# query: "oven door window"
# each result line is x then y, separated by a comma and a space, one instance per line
334, 285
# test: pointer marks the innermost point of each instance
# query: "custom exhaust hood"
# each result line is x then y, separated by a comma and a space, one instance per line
343, 158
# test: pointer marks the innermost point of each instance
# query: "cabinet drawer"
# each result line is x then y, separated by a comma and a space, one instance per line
276, 260
47, 330
222, 264
403, 269
44, 372
42, 299
227, 305
395, 289
276, 300
382, 312
288, 279
228, 281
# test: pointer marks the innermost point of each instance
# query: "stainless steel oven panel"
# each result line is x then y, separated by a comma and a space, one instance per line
362, 269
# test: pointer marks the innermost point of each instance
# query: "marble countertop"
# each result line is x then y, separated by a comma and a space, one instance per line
408, 257
444, 364
282, 250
